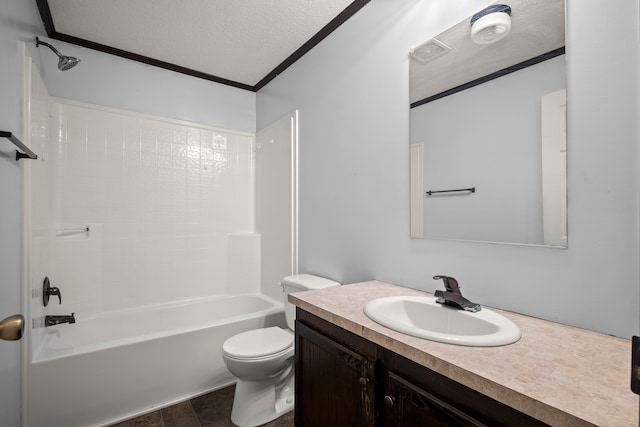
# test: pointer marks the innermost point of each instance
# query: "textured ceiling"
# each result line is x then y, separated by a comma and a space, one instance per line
232, 41
537, 27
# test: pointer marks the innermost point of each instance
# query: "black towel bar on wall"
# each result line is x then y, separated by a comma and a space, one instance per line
28, 154
471, 190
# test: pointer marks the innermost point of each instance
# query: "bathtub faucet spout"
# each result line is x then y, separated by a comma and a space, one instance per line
56, 320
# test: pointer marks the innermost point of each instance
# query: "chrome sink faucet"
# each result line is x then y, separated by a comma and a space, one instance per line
452, 296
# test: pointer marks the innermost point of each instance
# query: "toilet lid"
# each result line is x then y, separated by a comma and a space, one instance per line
258, 343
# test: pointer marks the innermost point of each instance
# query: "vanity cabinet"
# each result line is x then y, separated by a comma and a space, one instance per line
343, 379
334, 378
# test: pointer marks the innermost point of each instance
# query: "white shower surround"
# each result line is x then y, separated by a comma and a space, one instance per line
112, 367
160, 198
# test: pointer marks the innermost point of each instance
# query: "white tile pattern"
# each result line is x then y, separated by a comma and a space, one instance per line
159, 197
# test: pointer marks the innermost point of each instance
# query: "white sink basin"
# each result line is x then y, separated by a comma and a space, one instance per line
422, 317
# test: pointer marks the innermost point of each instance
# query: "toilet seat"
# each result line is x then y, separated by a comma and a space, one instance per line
258, 343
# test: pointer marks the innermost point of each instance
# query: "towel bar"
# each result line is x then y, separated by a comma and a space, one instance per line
471, 190
28, 154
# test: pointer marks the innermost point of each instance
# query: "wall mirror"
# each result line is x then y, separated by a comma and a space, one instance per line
488, 128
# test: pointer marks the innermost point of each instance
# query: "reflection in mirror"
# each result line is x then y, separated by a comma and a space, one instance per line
489, 122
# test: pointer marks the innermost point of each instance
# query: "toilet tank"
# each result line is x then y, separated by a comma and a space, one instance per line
297, 283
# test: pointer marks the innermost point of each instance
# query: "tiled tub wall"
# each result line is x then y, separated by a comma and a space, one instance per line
160, 199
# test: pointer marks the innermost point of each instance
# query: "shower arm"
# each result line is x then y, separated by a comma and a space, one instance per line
39, 42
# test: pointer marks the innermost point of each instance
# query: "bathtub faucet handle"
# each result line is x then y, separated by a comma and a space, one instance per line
48, 290
56, 292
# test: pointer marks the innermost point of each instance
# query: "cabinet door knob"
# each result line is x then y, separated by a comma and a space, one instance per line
389, 401
364, 382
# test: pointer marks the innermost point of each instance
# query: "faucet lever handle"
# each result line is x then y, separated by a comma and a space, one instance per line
450, 283
48, 290
55, 291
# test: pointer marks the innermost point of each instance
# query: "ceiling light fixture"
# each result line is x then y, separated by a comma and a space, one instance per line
491, 24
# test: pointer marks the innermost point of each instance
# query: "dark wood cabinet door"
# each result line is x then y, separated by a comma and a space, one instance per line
408, 405
414, 396
335, 386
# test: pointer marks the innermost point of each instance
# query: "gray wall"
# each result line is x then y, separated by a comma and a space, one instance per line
488, 137
352, 93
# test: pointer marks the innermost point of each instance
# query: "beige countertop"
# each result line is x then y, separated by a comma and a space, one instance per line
559, 374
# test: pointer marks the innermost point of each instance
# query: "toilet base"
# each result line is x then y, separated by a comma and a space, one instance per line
257, 402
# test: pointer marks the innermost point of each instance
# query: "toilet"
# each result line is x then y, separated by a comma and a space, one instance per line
262, 360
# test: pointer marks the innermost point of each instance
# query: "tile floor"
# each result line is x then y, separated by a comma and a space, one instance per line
209, 410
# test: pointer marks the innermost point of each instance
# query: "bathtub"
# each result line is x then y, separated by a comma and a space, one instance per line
108, 368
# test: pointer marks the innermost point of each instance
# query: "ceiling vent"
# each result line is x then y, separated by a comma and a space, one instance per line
429, 50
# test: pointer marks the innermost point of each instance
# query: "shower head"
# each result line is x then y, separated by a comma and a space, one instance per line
65, 62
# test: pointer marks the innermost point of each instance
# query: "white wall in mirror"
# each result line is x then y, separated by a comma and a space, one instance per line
476, 110
487, 137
